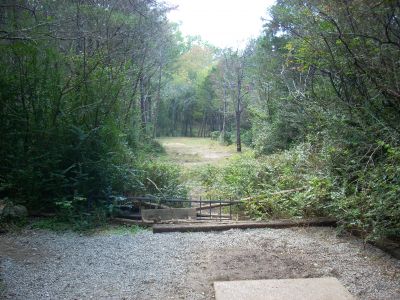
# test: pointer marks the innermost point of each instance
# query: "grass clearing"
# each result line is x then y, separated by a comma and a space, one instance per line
193, 152
195, 156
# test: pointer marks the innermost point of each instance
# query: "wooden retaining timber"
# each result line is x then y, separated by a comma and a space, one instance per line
122, 221
389, 246
223, 216
148, 204
212, 226
156, 205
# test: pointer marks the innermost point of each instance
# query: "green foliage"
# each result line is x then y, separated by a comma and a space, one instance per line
122, 230
238, 178
215, 135
70, 128
189, 100
312, 181
318, 95
247, 137
53, 224
160, 178
207, 174
326, 116
226, 138
83, 226
373, 207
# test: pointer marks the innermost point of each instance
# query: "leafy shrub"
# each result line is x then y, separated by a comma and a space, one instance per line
226, 139
247, 137
207, 174
160, 178
310, 181
371, 204
273, 137
214, 135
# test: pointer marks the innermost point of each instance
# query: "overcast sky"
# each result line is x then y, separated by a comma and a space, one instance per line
224, 23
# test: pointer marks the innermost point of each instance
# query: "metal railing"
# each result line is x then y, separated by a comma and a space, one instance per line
207, 209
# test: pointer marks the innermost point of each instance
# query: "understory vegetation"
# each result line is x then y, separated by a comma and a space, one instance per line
308, 181
86, 87
320, 107
75, 88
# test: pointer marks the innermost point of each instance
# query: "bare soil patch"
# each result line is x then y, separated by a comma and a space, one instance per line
184, 265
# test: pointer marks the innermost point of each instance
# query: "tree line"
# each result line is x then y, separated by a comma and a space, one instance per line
322, 77
80, 88
87, 85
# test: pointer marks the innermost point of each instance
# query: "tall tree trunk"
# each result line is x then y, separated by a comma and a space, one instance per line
174, 118
224, 115
200, 134
157, 104
142, 101
149, 110
238, 140
132, 100
239, 110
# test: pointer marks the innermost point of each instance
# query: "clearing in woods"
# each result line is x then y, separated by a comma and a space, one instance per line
35, 265
193, 154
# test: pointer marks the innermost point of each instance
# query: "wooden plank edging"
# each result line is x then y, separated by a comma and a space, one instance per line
197, 227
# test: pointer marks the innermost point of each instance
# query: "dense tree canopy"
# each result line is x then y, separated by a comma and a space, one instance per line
79, 89
86, 85
324, 77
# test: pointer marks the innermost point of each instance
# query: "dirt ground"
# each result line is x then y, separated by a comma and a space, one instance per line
36, 264
44, 265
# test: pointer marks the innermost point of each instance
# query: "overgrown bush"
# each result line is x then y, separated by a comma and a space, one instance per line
226, 138
310, 181
215, 135
71, 130
369, 202
247, 137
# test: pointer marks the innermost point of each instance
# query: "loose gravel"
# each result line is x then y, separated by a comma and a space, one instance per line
38, 264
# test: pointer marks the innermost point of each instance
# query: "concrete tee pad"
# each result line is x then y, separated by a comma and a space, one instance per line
168, 214
327, 288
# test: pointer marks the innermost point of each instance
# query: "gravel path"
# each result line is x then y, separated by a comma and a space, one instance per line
44, 265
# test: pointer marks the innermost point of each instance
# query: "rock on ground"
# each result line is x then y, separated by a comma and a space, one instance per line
44, 265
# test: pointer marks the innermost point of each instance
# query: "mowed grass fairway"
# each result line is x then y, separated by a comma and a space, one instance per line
193, 155
192, 152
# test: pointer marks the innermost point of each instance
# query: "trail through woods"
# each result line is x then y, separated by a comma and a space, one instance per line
193, 154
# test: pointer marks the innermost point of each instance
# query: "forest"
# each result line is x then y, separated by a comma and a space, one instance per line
87, 88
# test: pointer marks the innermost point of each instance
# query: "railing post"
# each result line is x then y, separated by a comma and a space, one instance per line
230, 208
210, 209
200, 208
220, 209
